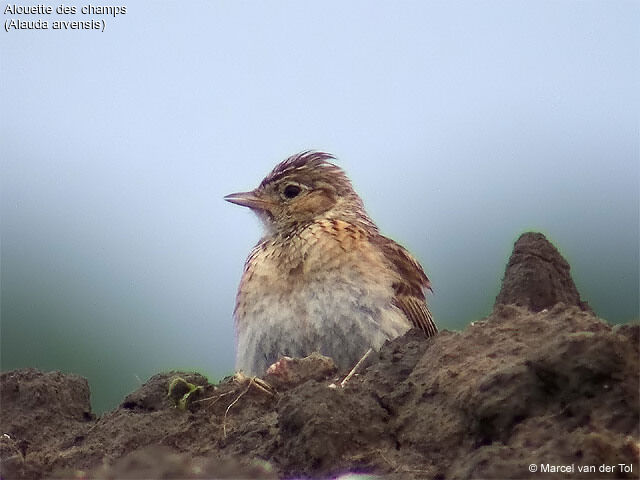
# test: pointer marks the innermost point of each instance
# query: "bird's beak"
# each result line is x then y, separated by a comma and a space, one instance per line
248, 199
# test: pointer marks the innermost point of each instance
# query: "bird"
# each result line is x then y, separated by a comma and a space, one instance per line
322, 278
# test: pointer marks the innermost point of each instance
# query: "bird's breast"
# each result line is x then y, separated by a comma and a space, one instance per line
331, 294
325, 254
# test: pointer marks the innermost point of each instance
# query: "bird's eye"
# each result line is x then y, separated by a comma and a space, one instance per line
291, 191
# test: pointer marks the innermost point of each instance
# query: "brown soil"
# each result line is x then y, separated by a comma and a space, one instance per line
557, 386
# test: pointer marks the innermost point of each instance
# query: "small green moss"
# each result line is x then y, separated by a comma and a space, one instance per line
182, 393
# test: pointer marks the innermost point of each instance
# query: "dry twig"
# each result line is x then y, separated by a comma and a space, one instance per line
258, 383
355, 369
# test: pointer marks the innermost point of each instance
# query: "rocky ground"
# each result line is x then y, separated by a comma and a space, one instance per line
542, 381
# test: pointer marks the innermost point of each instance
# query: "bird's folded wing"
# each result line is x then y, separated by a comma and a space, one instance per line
410, 286
417, 312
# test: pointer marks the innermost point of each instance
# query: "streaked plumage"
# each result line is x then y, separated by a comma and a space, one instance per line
322, 278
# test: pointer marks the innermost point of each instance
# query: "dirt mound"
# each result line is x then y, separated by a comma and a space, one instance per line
537, 276
558, 387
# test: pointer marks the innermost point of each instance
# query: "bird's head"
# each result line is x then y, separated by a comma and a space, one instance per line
304, 188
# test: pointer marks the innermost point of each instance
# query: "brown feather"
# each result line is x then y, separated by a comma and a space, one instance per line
411, 284
418, 313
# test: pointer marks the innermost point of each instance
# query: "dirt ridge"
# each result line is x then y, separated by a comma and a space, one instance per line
526, 385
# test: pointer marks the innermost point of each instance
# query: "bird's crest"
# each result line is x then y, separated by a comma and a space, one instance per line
309, 160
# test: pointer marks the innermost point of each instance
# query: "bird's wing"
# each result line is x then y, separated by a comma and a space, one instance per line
410, 285
418, 313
